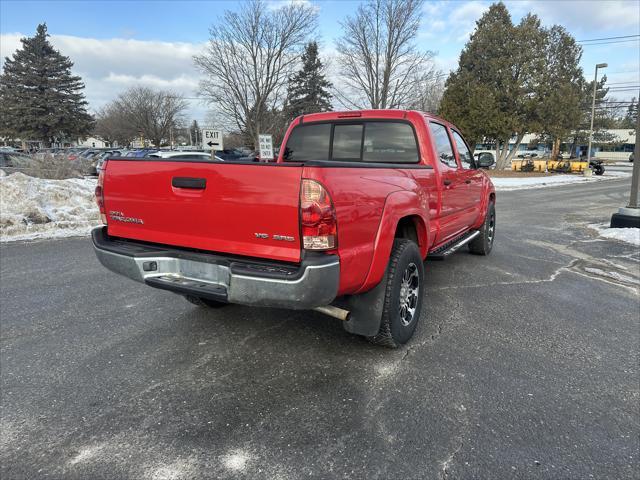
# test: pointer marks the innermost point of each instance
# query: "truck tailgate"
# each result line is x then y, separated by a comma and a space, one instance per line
241, 209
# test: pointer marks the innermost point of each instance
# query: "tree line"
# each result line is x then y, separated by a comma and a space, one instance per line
517, 79
260, 71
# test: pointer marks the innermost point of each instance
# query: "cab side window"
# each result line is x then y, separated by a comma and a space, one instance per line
466, 159
443, 145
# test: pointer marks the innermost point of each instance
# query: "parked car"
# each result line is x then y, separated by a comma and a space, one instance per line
230, 155
12, 161
102, 156
528, 154
254, 156
341, 223
175, 155
140, 153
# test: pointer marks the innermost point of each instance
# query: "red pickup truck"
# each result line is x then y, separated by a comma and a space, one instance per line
341, 223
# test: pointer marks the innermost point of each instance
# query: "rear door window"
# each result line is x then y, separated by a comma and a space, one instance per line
466, 159
369, 141
443, 145
309, 142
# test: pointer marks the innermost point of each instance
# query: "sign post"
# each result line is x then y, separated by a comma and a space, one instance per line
212, 141
266, 147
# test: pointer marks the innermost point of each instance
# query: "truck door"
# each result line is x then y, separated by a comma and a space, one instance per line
472, 178
452, 185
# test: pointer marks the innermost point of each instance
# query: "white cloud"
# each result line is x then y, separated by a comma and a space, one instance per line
451, 21
584, 16
110, 66
181, 83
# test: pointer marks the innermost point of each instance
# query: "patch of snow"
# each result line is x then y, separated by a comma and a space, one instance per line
518, 183
385, 370
613, 275
628, 235
616, 173
85, 454
180, 469
236, 461
33, 208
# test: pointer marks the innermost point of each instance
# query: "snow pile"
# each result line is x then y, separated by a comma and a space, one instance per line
32, 208
628, 235
524, 182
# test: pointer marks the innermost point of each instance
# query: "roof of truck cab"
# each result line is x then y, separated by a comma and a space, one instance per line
368, 114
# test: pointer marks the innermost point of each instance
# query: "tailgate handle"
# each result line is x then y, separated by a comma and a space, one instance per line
189, 182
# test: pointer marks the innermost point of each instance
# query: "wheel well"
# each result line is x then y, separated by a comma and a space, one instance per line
408, 228
492, 197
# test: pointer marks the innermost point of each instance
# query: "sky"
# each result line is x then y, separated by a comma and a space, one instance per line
118, 44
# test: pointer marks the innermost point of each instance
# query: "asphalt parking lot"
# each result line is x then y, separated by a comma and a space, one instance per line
525, 365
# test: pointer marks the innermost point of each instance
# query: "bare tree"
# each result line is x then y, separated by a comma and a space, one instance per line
428, 90
249, 58
154, 114
381, 64
111, 126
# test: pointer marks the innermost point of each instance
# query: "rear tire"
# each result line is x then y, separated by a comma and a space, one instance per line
204, 302
403, 295
483, 243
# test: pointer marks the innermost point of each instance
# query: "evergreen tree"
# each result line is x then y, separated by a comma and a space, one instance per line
631, 118
41, 99
308, 90
493, 94
561, 89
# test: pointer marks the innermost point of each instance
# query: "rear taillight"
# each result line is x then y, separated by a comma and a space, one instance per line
100, 195
317, 217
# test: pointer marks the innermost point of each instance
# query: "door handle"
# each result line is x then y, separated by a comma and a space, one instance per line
447, 182
467, 181
189, 182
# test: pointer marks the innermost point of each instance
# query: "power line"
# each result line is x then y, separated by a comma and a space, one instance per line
614, 41
606, 38
622, 72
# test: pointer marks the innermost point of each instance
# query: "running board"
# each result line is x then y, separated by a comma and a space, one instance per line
451, 247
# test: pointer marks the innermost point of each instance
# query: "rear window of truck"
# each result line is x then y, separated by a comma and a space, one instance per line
369, 141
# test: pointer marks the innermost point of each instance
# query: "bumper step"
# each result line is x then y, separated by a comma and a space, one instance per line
452, 246
187, 286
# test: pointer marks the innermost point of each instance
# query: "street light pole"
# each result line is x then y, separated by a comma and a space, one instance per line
629, 216
593, 110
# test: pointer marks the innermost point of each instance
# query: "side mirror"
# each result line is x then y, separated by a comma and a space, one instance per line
485, 160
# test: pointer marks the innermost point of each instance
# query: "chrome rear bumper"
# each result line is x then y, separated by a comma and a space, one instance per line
311, 284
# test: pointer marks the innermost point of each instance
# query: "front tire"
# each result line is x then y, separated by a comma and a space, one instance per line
483, 243
204, 302
403, 295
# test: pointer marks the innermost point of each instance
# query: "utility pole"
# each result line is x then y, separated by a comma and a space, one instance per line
593, 113
629, 216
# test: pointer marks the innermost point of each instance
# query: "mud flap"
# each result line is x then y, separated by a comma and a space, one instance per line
366, 310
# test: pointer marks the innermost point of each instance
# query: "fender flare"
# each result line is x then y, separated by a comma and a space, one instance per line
397, 205
487, 190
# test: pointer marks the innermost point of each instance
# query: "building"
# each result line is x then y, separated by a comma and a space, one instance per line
608, 144
614, 144
93, 142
